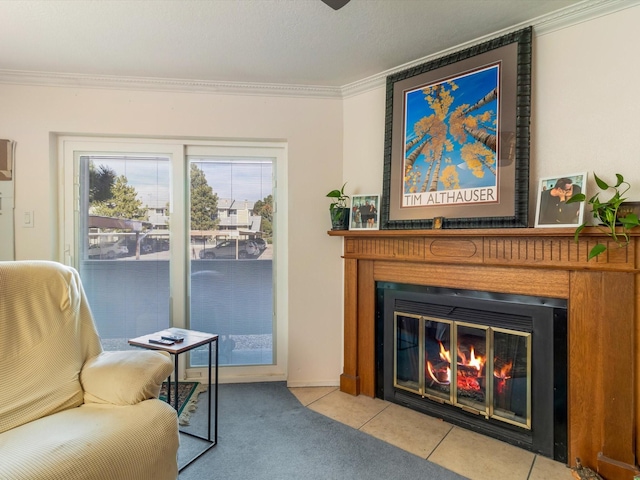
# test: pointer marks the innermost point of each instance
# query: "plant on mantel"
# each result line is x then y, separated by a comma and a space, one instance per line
607, 213
338, 209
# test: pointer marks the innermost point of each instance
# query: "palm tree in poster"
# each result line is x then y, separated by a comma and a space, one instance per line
451, 133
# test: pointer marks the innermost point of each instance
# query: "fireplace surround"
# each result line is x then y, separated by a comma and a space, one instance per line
602, 315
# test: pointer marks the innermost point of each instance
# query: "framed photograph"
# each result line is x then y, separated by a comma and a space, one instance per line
553, 193
365, 212
628, 207
457, 139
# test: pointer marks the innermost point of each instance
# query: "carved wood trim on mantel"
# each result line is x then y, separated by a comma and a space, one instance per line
603, 312
528, 247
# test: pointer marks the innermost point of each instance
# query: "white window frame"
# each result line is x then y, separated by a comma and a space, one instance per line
70, 148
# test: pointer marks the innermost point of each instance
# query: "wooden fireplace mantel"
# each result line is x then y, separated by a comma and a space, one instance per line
603, 315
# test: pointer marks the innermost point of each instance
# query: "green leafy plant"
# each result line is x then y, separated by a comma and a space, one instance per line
339, 199
338, 209
607, 214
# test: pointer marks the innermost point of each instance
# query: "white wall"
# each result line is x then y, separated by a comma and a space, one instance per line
586, 117
30, 115
364, 142
586, 100
585, 109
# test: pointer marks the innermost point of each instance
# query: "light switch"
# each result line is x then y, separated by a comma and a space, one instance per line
27, 219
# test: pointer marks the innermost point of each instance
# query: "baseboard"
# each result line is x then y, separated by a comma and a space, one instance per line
325, 383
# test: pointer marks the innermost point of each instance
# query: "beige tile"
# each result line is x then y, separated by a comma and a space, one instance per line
307, 395
478, 457
412, 431
347, 409
547, 469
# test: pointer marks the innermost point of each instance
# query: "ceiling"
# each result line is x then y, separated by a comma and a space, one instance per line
283, 42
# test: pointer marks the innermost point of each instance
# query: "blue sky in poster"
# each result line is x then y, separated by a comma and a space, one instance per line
471, 88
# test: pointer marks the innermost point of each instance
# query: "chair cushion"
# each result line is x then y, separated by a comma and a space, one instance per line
126, 377
97, 442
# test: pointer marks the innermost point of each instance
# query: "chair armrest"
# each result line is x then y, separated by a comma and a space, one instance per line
125, 377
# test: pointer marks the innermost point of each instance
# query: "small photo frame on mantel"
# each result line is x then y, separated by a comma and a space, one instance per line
365, 212
552, 209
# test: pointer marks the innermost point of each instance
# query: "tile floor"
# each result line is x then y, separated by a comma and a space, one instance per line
467, 453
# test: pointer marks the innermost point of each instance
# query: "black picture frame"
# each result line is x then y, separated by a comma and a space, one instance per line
504, 203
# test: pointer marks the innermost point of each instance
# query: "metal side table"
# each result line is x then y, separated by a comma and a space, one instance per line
192, 339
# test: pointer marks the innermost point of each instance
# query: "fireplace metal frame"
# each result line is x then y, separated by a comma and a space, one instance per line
489, 408
548, 428
490, 402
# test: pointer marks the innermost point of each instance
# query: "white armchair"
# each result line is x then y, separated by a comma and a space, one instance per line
68, 410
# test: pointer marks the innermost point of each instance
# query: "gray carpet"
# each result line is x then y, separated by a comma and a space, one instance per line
265, 433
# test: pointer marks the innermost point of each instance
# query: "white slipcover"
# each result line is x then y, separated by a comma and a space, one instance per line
50, 426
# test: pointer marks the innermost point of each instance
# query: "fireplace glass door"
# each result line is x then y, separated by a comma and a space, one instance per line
480, 369
471, 385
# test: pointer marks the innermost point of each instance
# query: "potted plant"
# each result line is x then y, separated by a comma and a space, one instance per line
607, 213
338, 209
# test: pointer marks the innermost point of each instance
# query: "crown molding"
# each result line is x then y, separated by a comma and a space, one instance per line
18, 77
564, 18
561, 19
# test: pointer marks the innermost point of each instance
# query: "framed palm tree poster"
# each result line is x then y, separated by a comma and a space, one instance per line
457, 139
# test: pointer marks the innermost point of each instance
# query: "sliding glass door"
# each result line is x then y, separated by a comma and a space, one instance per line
231, 234
124, 243
180, 235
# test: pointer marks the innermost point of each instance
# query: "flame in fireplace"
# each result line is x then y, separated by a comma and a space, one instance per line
441, 373
444, 374
476, 362
444, 353
503, 374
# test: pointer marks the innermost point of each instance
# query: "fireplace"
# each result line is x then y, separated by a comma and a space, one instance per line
492, 363
603, 316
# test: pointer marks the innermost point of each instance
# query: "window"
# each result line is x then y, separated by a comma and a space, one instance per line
232, 256
123, 246
175, 234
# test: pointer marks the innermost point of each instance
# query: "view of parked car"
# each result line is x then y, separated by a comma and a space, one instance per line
107, 250
260, 243
227, 249
147, 245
